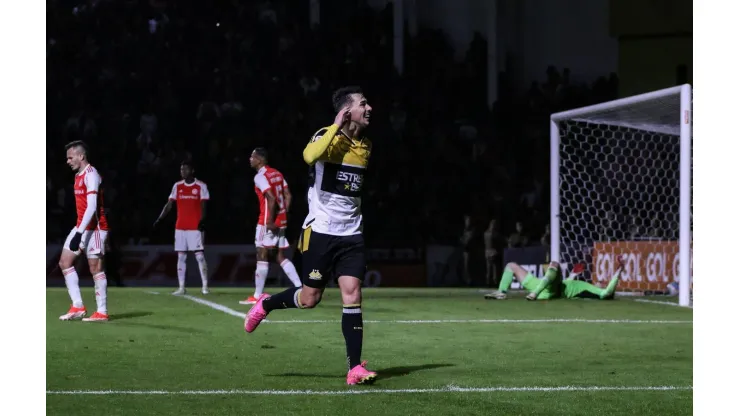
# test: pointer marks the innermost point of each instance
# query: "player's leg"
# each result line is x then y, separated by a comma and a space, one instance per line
538, 290
195, 244
581, 289
317, 254
181, 247
351, 267
66, 265
285, 263
511, 271
261, 240
95, 251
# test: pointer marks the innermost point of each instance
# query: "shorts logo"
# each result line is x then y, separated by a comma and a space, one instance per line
315, 275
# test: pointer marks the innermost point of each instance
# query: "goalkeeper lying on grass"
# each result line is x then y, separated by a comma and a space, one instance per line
553, 286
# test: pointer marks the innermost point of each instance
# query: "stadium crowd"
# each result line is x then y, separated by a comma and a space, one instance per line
150, 84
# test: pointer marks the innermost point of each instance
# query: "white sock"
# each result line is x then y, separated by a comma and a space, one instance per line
203, 267
73, 286
101, 292
181, 268
289, 270
260, 275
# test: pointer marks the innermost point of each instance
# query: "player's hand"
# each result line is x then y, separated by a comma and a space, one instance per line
342, 117
532, 296
74, 243
202, 225
271, 227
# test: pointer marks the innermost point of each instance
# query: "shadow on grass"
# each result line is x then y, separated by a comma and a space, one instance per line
383, 374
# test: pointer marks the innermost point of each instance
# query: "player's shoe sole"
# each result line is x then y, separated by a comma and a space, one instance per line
495, 296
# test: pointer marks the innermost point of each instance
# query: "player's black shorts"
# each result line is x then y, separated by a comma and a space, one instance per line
324, 257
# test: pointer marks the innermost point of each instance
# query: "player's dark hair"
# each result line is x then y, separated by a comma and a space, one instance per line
261, 152
77, 143
342, 97
188, 163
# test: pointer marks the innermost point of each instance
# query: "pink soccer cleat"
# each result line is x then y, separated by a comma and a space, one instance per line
361, 375
256, 315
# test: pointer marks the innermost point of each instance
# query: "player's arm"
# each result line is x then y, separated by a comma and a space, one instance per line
270, 214
92, 183
320, 143
168, 206
205, 196
287, 196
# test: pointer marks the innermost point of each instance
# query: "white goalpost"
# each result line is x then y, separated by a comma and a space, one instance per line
620, 182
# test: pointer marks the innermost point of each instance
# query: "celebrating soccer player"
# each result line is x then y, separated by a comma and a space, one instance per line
273, 195
331, 245
553, 286
191, 195
88, 235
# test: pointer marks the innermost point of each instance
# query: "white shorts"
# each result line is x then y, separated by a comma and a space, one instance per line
268, 239
188, 240
92, 242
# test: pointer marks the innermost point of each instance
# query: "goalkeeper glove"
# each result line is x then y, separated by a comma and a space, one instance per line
74, 243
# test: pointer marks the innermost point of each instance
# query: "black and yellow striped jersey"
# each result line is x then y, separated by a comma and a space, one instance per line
338, 165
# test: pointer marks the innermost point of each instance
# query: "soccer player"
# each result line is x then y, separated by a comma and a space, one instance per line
191, 196
273, 195
332, 245
88, 236
553, 286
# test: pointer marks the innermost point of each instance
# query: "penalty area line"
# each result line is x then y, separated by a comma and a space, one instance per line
446, 389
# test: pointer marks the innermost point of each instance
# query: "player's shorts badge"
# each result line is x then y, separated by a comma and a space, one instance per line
315, 275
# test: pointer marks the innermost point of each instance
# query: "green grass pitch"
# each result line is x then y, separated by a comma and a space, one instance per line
167, 355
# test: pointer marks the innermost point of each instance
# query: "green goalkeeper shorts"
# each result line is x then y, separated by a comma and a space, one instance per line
531, 282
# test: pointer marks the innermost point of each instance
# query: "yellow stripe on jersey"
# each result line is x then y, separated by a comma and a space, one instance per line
331, 145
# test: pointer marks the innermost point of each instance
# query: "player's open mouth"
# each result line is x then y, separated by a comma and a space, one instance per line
367, 116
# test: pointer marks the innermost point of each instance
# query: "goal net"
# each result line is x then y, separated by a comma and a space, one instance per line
621, 187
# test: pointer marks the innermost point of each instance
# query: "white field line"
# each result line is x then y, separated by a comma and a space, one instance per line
242, 315
216, 306
661, 302
447, 389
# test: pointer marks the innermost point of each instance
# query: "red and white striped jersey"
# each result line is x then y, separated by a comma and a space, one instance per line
188, 197
87, 183
268, 178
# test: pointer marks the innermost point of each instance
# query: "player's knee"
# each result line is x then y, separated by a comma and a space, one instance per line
96, 266
199, 256
261, 254
554, 264
309, 299
511, 265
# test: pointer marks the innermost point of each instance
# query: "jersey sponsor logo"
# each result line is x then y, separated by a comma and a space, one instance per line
352, 181
343, 180
315, 275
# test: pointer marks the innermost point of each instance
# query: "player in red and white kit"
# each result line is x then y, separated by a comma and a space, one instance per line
191, 195
88, 236
274, 201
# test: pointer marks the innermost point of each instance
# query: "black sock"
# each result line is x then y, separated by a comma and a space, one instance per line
283, 300
352, 330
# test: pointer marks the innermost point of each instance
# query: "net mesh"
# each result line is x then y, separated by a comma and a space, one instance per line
619, 193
